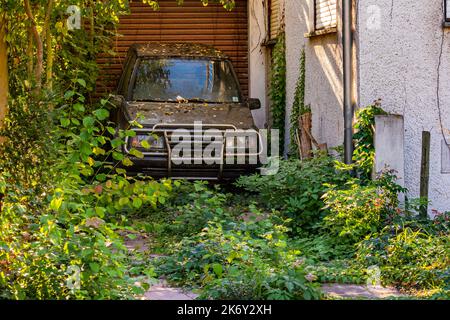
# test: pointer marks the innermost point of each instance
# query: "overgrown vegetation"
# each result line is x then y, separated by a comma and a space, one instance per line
312, 223
296, 190
66, 209
64, 206
364, 153
277, 90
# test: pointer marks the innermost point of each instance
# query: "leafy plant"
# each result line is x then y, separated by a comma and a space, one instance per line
408, 258
364, 153
195, 209
297, 189
358, 210
240, 260
338, 271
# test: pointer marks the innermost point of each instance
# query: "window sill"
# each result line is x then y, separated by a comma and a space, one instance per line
269, 43
321, 32
446, 24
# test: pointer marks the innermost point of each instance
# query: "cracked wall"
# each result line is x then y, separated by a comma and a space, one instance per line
400, 44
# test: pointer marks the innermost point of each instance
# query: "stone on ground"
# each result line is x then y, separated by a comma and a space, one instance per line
349, 291
162, 292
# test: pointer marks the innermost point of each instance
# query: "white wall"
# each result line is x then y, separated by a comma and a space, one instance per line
257, 58
323, 73
399, 50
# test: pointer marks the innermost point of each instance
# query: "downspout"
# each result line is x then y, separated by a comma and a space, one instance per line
347, 44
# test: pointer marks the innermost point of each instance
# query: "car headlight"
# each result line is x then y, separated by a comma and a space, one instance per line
242, 143
148, 142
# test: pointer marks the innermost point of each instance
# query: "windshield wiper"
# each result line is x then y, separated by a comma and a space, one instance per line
197, 100
155, 100
203, 101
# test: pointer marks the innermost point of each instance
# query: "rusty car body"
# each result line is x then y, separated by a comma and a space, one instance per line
188, 88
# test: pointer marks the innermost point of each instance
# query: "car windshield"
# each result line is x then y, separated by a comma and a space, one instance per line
186, 80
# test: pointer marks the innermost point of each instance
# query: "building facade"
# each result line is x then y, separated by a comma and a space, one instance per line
402, 56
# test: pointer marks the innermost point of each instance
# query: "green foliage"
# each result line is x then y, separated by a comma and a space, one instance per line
227, 4
28, 131
358, 210
364, 153
277, 90
188, 210
408, 257
298, 108
73, 224
339, 271
65, 197
240, 260
296, 190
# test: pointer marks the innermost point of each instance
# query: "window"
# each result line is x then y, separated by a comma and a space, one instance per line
325, 14
199, 80
275, 19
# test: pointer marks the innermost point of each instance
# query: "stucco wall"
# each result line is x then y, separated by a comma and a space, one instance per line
257, 58
399, 50
323, 72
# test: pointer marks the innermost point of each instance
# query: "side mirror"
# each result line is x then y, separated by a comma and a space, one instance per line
254, 104
117, 100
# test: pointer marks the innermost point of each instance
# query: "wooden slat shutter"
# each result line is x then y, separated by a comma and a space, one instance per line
325, 14
275, 18
192, 22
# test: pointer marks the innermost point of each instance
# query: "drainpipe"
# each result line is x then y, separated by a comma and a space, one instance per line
347, 44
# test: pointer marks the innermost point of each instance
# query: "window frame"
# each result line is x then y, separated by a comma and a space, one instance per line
132, 82
322, 31
315, 18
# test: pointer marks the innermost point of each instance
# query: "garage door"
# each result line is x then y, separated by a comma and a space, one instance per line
192, 22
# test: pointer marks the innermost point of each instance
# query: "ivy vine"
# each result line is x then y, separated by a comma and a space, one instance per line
298, 108
364, 153
278, 87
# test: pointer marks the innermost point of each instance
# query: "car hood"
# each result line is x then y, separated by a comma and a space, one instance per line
236, 114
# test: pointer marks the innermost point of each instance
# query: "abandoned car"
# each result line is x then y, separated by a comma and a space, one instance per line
194, 121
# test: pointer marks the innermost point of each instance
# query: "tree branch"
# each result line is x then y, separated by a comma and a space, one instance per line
40, 50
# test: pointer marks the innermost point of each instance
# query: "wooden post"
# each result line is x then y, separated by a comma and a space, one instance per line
425, 172
305, 134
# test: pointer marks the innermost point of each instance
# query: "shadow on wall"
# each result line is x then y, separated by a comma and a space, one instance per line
325, 89
323, 71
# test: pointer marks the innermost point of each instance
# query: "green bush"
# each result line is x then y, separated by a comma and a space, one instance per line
189, 209
240, 260
296, 190
44, 239
65, 215
356, 210
408, 258
364, 153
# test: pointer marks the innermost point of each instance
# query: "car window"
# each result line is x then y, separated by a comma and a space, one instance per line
199, 80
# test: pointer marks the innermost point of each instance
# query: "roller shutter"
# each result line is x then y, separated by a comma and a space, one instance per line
325, 14
275, 18
192, 22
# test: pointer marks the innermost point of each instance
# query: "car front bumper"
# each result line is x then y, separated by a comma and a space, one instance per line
225, 165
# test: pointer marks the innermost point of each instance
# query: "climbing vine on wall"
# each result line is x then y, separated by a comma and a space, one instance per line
278, 87
298, 107
364, 154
